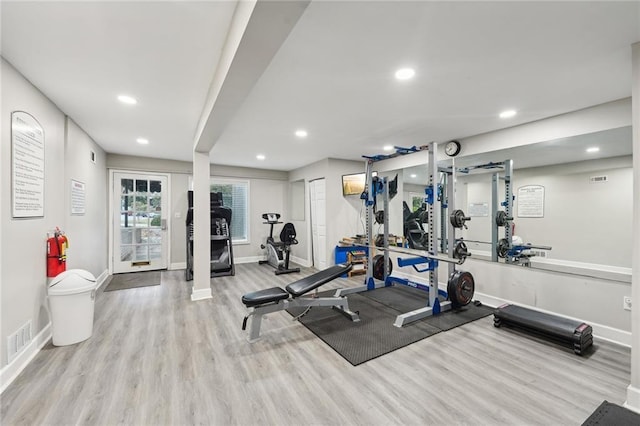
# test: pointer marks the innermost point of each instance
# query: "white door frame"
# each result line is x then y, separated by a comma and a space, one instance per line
319, 252
111, 207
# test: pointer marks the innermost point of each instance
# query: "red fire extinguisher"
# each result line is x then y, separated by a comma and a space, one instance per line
57, 253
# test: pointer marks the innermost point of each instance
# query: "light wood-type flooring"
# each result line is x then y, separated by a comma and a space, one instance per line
157, 358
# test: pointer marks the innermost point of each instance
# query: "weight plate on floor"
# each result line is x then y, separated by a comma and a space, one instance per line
460, 288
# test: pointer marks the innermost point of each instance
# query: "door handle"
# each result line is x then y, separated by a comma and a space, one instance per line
163, 224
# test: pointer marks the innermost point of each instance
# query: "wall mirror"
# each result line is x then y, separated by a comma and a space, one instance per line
581, 209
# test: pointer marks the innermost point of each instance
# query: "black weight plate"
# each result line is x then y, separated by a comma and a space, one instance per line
378, 266
502, 248
460, 250
460, 288
457, 218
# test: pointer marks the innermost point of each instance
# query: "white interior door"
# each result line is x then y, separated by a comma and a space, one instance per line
140, 212
317, 193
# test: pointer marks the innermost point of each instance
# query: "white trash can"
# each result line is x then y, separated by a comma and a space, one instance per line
71, 300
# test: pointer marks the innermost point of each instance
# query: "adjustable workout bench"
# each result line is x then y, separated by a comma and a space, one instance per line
276, 299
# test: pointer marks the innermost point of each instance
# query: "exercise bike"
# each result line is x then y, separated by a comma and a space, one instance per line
278, 252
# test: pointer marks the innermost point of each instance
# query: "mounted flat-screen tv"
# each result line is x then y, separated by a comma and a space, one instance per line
354, 184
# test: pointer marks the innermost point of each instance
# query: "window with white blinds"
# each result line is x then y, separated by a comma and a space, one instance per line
235, 194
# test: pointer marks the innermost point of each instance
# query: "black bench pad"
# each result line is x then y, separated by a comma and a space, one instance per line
306, 284
547, 323
261, 297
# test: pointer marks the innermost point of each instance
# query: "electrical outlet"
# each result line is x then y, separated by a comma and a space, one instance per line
626, 303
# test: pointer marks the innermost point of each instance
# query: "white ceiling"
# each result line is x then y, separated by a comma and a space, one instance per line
332, 76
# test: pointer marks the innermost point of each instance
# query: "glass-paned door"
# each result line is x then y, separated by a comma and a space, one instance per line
140, 222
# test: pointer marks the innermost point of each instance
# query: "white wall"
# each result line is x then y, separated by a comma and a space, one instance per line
23, 284
344, 214
88, 232
266, 196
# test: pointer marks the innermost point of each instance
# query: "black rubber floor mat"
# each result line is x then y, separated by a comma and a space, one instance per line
612, 414
406, 299
375, 335
133, 280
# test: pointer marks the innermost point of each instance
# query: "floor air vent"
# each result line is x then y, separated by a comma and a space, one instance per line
18, 341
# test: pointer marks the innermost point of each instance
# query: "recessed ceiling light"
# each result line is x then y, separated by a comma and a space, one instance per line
414, 176
127, 100
388, 147
405, 73
301, 133
593, 149
260, 157
142, 141
508, 113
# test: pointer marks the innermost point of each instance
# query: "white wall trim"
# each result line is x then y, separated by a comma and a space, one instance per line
237, 261
602, 272
102, 278
20, 362
177, 266
249, 259
201, 294
633, 399
302, 262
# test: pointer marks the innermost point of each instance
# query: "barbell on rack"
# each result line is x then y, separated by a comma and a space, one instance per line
462, 252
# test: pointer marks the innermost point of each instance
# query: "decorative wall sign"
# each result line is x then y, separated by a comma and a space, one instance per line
478, 209
77, 197
27, 165
531, 201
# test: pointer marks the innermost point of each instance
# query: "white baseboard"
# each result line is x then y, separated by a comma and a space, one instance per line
302, 262
201, 294
237, 261
256, 259
600, 331
102, 278
633, 399
177, 266
9, 373
248, 259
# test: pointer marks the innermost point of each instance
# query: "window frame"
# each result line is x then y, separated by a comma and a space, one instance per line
213, 180
412, 196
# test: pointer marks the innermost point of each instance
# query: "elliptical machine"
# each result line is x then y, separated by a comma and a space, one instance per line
278, 252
